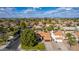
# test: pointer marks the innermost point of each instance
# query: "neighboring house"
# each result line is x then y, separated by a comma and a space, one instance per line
40, 24
47, 25
37, 26
77, 35
45, 35
69, 28
77, 27
57, 36
7, 24
12, 24
10, 37
4, 24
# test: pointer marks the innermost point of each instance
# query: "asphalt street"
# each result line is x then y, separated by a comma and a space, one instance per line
13, 45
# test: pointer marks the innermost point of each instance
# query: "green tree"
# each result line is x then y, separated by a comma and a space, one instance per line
50, 28
1, 29
71, 39
11, 28
28, 38
68, 34
22, 24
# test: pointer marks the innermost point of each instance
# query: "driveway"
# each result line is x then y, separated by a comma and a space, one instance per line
59, 45
48, 46
62, 47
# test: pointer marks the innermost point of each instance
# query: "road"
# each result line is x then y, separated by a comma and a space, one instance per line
13, 45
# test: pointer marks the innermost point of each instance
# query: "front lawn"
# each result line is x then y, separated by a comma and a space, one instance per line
39, 46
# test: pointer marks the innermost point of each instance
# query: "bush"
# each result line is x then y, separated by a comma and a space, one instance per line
39, 46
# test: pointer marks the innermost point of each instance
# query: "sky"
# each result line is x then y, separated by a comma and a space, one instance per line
39, 12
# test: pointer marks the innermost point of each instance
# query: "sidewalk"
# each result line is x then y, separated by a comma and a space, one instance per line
19, 48
3, 46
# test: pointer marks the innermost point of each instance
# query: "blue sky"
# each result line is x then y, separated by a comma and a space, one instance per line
40, 12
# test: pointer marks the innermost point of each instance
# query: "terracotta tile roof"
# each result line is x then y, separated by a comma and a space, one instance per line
77, 33
58, 33
45, 35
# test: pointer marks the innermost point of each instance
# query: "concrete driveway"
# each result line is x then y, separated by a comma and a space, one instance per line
48, 46
62, 47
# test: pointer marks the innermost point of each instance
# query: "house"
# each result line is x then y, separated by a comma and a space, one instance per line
40, 24
37, 26
10, 37
77, 35
77, 27
45, 35
69, 28
12, 24
57, 36
47, 25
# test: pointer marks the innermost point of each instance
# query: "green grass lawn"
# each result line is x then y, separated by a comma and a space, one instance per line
1, 42
38, 47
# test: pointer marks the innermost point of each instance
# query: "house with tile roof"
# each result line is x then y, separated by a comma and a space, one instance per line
57, 36
77, 35
45, 35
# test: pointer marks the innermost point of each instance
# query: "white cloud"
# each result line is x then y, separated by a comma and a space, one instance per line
2, 9
37, 7
33, 12
58, 10
53, 11
28, 10
67, 8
